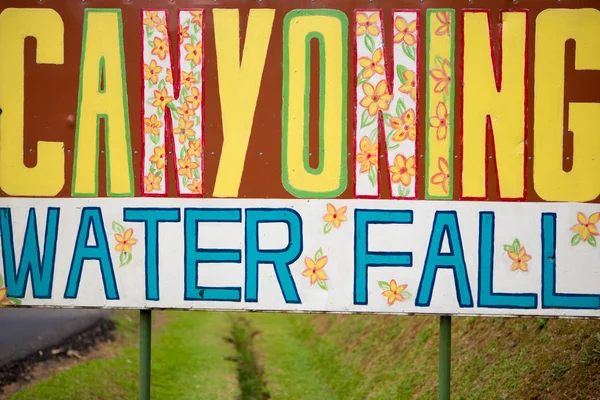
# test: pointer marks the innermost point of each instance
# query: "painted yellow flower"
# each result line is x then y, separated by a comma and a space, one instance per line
194, 52
160, 48
314, 269
440, 121
195, 186
184, 130
394, 293
125, 241
376, 98
443, 176
367, 157
520, 259
404, 126
373, 65
169, 75
4, 301
152, 182
403, 169
406, 31
158, 158
195, 98
367, 24
185, 112
442, 76
162, 27
184, 32
151, 71
197, 18
195, 149
152, 124
410, 87
161, 98
586, 227
151, 19
186, 167
335, 216
188, 79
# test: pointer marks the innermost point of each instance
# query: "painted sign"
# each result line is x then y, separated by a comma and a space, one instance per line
373, 156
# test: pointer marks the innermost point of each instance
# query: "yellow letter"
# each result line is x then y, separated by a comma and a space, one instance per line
102, 95
330, 27
46, 26
238, 88
502, 101
551, 182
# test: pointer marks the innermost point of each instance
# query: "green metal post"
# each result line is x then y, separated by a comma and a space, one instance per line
445, 351
145, 342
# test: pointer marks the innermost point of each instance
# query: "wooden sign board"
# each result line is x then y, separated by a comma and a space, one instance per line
417, 156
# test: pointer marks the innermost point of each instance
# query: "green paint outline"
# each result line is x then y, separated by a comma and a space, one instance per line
102, 75
450, 104
102, 69
285, 96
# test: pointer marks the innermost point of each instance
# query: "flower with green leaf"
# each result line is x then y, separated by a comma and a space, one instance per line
518, 255
585, 229
393, 291
4, 300
314, 269
125, 243
334, 217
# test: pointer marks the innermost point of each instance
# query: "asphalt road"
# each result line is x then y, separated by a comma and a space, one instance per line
24, 331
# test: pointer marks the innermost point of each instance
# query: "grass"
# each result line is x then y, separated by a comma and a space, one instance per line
302, 356
188, 362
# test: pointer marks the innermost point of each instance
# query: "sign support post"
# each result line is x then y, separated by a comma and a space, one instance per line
145, 353
445, 351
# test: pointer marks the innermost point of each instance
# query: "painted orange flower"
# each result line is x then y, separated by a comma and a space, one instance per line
125, 241
161, 98
444, 28
335, 216
169, 75
442, 77
314, 269
394, 293
151, 19
4, 301
586, 227
404, 126
158, 158
186, 167
373, 65
197, 17
194, 52
195, 98
367, 157
403, 169
162, 27
185, 111
195, 186
152, 124
151, 71
195, 149
152, 182
367, 24
161, 48
184, 130
188, 79
184, 32
443, 176
410, 87
520, 259
440, 121
406, 31
376, 98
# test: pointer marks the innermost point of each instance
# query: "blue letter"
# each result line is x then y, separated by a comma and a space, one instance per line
551, 299
363, 258
41, 275
281, 259
194, 255
151, 217
486, 296
91, 217
445, 223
